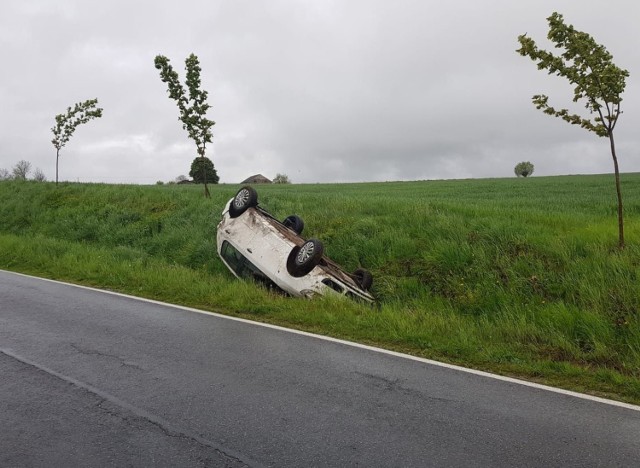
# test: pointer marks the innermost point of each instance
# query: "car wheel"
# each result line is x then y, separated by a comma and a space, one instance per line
294, 223
244, 199
364, 278
303, 259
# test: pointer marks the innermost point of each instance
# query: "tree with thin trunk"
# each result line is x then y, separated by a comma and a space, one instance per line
66, 124
39, 176
596, 79
193, 106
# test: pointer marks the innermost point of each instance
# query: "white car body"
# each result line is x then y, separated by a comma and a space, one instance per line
255, 245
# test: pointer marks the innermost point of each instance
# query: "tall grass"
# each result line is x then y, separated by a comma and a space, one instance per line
519, 276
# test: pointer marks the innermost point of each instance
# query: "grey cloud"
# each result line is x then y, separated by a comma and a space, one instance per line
323, 91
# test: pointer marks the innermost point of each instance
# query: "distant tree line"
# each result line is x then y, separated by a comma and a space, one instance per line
21, 171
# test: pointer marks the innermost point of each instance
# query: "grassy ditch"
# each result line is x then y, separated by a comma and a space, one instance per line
516, 276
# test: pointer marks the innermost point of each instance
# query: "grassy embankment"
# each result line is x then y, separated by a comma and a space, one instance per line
516, 276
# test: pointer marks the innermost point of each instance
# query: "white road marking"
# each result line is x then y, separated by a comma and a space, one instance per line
352, 344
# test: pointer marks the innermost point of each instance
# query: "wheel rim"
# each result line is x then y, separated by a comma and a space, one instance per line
241, 198
306, 252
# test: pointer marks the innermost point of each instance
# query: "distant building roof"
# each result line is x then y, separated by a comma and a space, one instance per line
256, 179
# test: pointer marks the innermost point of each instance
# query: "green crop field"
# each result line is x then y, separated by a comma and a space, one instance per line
520, 277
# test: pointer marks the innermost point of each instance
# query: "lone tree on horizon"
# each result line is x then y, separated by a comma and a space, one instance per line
523, 169
67, 123
281, 179
202, 170
193, 106
590, 69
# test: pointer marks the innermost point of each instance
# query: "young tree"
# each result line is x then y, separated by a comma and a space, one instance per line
4, 174
281, 179
39, 176
193, 106
66, 124
523, 169
202, 170
21, 170
596, 79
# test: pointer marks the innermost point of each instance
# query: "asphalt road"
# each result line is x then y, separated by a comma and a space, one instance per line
95, 379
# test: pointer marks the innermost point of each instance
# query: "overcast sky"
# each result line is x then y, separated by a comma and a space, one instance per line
321, 90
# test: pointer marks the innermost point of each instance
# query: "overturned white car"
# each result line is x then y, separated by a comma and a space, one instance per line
255, 245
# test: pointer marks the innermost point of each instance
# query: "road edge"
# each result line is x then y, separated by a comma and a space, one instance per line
348, 343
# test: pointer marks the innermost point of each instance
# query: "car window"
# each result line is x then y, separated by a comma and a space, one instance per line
243, 267
333, 285
234, 258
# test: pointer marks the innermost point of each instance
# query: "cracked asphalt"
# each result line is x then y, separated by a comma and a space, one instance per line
93, 379
50, 421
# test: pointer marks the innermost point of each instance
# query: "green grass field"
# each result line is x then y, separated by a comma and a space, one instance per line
516, 276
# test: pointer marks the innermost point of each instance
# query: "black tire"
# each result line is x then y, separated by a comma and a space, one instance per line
364, 278
294, 223
244, 199
305, 258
